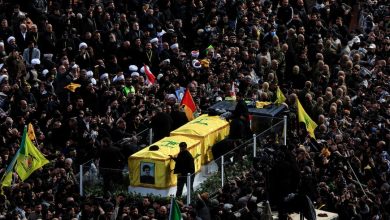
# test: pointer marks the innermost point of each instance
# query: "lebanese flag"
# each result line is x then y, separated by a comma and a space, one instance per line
149, 75
189, 105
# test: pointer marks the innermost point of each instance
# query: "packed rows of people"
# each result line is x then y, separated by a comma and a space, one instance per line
77, 70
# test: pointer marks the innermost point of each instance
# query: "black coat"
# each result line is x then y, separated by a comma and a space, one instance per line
179, 118
184, 163
161, 125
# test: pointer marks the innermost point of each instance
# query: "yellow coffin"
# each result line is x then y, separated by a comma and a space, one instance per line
154, 169
208, 130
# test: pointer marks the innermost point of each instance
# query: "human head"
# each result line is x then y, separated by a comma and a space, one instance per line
146, 169
183, 146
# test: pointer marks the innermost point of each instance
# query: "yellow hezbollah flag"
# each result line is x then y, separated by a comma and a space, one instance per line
6, 180
29, 158
305, 118
280, 98
262, 104
189, 105
30, 132
72, 87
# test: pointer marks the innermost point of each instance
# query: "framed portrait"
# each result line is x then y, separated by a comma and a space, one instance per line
147, 171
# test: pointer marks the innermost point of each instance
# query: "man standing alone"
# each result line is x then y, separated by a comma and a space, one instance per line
184, 165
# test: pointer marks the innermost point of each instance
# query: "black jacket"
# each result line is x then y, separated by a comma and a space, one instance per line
184, 163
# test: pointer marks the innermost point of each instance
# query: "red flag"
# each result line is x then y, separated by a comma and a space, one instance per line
149, 74
189, 105
233, 92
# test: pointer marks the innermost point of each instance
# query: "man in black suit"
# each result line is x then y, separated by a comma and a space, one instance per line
161, 124
21, 37
178, 116
184, 165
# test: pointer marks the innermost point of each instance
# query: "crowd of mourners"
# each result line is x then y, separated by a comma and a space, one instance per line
333, 55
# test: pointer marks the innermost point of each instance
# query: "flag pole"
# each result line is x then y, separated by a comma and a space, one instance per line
170, 208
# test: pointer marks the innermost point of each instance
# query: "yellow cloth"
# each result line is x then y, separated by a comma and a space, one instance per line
163, 165
208, 130
280, 98
7, 179
72, 87
305, 118
262, 104
29, 158
30, 132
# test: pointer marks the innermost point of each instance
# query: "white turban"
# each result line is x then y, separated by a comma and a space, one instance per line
118, 78
82, 45
45, 72
104, 76
89, 74
134, 74
3, 77
175, 46
10, 39
133, 68
35, 61
154, 40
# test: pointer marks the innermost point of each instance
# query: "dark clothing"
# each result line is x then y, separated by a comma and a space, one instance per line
184, 165
147, 179
239, 129
161, 125
111, 163
179, 118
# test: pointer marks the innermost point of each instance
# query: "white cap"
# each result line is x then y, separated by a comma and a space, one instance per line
104, 76
35, 61
134, 74
1, 43
75, 66
372, 46
93, 81
218, 99
45, 72
10, 38
175, 46
3, 77
159, 76
89, 74
133, 68
118, 78
167, 61
154, 40
82, 45
196, 64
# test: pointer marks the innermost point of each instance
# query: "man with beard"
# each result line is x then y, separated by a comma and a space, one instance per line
150, 58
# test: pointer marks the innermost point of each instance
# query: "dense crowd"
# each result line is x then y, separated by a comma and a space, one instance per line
333, 55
